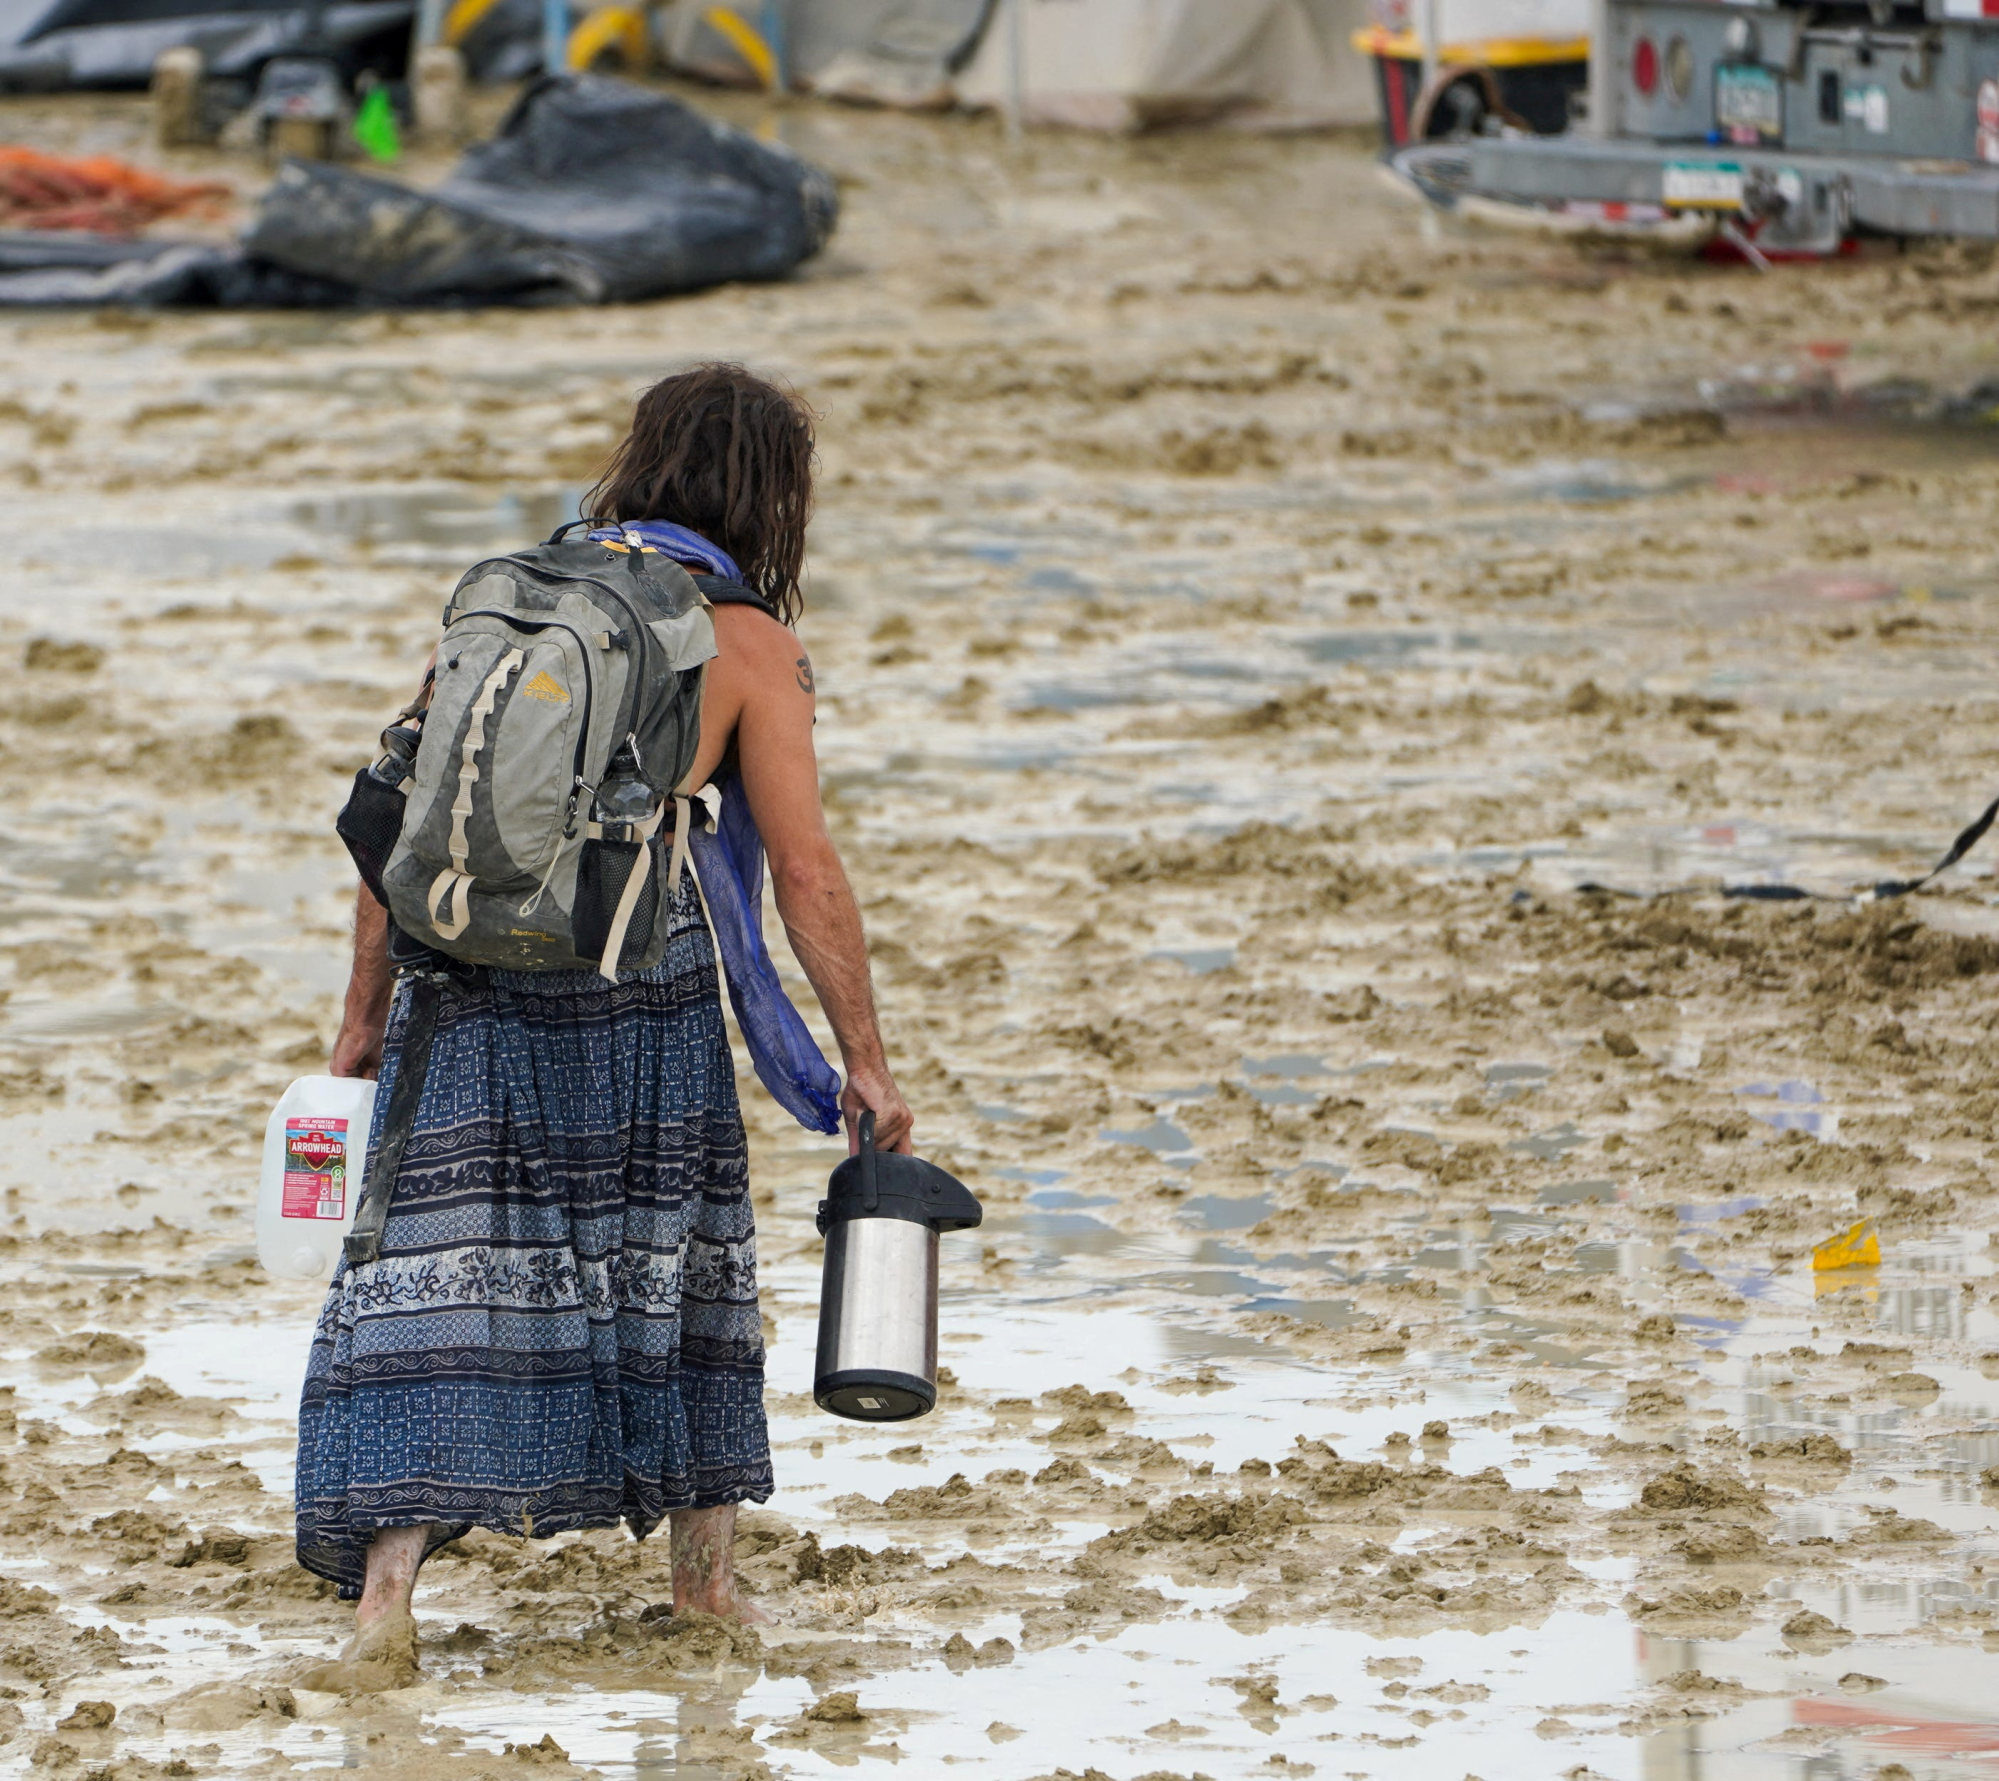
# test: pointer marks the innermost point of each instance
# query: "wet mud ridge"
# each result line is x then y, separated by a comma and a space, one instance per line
1242, 621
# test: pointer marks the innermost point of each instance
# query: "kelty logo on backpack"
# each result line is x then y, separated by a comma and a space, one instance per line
546, 688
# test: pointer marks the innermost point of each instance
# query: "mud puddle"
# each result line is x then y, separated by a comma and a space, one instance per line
1200, 1670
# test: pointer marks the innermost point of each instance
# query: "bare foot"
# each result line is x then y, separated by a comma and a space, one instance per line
382, 1653
381, 1656
735, 1606
704, 1572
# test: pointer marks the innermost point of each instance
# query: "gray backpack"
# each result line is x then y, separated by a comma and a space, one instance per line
528, 798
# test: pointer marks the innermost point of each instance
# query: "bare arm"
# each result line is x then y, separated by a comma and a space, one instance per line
761, 689
358, 1049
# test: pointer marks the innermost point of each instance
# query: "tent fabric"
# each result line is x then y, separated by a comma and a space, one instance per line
892, 52
1135, 64
594, 191
887, 52
1100, 64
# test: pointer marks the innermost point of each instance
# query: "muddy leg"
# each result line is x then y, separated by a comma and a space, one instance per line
382, 1653
704, 1566
392, 1568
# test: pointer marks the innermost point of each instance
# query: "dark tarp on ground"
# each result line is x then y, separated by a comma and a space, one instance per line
50, 44
51, 269
594, 191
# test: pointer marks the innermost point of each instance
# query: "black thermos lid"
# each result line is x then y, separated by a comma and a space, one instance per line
886, 1184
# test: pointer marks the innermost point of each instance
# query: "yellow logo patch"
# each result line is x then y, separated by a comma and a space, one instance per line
545, 687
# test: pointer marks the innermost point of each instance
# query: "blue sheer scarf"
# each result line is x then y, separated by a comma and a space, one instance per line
687, 548
728, 855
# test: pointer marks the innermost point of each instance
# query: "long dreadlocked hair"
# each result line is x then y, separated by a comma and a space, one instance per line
729, 454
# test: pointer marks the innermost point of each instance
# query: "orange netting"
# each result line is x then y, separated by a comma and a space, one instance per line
39, 191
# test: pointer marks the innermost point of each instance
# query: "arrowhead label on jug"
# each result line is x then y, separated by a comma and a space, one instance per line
309, 1178
315, 1168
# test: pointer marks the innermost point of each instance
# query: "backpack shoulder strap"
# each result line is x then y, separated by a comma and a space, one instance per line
719, 590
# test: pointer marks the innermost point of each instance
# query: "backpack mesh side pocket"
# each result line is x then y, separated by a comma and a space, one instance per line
603, 868
371, 822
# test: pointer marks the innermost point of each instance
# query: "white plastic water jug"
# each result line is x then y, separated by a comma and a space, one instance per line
315, 1159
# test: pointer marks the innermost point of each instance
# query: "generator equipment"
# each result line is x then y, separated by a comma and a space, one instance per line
1792, 125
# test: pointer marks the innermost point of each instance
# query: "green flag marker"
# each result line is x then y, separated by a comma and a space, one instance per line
375, 126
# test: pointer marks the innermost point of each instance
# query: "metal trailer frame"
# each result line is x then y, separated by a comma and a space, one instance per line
1794, 125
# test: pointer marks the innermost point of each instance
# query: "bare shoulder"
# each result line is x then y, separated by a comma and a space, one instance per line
762, 652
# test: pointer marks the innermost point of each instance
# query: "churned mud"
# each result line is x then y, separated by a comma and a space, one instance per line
1247, 615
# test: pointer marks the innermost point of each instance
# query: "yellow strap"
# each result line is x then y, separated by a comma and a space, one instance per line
463, 18
622, 27
747, 41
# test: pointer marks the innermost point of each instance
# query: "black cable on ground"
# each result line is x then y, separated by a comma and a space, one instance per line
1794, 893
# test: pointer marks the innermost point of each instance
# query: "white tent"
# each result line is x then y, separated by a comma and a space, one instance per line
891, 52
1099, 64
1129, 64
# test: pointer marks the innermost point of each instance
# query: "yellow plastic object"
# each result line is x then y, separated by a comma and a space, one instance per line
1493, 52
620, 28
1859, 1248
464, 15
748, 42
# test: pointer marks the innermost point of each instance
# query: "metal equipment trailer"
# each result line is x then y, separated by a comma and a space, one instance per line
1792, 124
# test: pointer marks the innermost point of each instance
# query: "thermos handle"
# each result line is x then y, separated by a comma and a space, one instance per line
871, 1197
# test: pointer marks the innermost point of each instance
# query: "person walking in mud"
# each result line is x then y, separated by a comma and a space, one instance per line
560, 1327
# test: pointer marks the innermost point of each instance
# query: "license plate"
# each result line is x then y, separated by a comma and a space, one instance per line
1701, 185
1748, 104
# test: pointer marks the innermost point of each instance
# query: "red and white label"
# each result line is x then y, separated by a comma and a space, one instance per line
315, 1169
1986, 141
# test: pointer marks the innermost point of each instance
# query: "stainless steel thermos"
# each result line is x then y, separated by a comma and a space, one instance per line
881, 1218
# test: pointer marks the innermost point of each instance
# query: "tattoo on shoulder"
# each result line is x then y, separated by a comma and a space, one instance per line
805, 681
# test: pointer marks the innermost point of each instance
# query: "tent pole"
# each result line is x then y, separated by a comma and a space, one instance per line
430, 23
1016, 66
1600, 113
1427, 29
773, 30
555, 36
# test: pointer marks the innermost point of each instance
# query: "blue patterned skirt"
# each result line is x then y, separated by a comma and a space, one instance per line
562, 1329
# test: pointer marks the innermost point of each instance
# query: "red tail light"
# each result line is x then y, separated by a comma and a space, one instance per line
1645, 66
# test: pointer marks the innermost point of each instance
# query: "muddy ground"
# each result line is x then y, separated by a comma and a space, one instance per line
1246, 613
